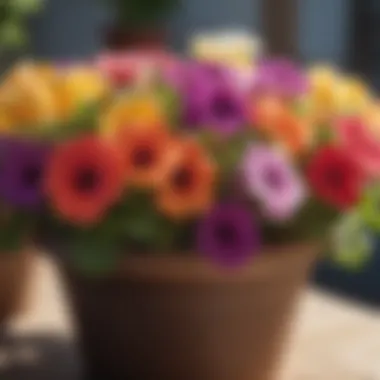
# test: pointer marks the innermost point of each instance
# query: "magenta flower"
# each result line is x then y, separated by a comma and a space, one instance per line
189, 77
271, 180
210, 96
280, 77
228, 235
224, 110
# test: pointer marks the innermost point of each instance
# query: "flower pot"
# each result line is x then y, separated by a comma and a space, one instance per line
180, 317
15, 273
117, 39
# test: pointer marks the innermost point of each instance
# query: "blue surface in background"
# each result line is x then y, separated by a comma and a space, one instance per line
363, 284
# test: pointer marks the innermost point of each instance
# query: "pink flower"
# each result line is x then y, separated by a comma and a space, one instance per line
270, 178
123, 69
357, 139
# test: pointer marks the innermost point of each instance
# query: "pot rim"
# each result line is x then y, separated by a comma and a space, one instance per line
282, 261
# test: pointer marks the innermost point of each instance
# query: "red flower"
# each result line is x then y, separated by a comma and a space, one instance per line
335, 177
118, 69
85, 177
357, 138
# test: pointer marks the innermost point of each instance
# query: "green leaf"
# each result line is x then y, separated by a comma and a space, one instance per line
140, 226
26, 6
93, 256
15, 229
12, 34
83, 121
312, 223
352, 245
369, 207
171, 103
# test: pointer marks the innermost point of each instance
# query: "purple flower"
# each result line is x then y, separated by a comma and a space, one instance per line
271, 179
228, 234
21, 172
224, 110
216, 108
209, 96
280, 77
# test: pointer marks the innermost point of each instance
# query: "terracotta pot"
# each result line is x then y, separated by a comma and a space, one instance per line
118, 39
15, 274
179, 317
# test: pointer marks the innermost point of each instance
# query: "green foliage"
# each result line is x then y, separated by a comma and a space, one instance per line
84, 121
352, 244
13, 17
313, 222
171, 103
141, 12
140, 226
93, 255
134, 226
15, 229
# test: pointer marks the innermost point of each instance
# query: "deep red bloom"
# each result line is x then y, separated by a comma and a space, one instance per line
335, 177
84, 178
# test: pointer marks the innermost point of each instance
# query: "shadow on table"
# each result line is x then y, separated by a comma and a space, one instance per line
38, 357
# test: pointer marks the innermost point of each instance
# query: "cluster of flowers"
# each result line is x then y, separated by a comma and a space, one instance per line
117, 157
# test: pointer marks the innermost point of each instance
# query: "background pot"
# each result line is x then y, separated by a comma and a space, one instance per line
15, 275
179, 317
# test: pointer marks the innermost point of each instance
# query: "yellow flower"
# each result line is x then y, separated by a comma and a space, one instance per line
352, 95
78, 87
232, 48
322, 100
26, 98
5, 122
142, 110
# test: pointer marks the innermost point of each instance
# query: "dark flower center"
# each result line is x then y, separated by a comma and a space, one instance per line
183, 178
226, 234
86, 179
335, 176
224, 107
142, 157
31, 176
273, 178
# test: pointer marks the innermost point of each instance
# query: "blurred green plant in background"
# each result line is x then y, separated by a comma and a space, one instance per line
14, 15
139, 13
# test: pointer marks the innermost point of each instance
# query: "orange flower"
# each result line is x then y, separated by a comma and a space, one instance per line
282, 124
187, 187
266, 112
84, 178
144, 152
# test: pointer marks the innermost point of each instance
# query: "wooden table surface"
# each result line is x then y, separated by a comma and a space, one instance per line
332, 339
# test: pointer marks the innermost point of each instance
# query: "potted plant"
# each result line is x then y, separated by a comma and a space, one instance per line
138, 23
186, 212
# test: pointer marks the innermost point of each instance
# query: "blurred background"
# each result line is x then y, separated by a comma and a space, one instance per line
341, 32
